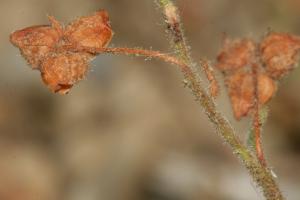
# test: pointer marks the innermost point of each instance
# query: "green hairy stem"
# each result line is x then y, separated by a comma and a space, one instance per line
259, 173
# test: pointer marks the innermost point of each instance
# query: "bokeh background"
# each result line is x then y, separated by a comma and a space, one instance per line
130, 131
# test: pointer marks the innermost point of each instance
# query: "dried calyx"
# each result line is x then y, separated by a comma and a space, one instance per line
275, 56
44, 48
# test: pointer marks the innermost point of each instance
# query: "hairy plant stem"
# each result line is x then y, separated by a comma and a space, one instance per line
256, 119
260, 174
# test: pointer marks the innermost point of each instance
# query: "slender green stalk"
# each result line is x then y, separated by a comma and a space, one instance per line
260, 174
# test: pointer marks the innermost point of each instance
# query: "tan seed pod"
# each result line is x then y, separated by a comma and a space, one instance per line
241, 92
279, 53
91, 31
235, 54
61, 71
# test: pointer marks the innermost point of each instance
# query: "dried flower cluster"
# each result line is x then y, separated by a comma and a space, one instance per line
274, 57
44, 48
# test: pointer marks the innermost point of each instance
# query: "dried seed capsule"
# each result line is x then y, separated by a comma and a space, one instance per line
92, 31
241, 92
61, 71
279, 53
59, 53
235, 54
36, 42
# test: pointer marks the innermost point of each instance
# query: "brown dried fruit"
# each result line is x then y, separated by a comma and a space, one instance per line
35, 42
241, 92
51, 49
61, 71
92, 31
279, 52
236, 54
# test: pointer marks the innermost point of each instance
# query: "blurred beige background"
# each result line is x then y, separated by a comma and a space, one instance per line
130, 131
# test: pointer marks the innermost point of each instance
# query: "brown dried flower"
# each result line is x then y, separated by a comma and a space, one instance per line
235, 54
35, 42
273, 58
279, 53
92, 31
44, 47
61, 71
241, 92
